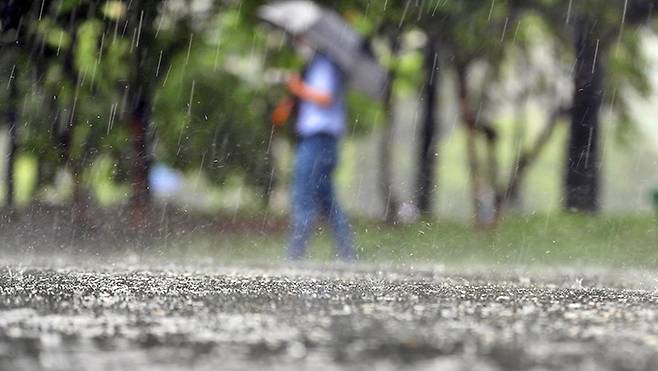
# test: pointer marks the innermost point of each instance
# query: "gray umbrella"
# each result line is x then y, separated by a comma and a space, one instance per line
328, 33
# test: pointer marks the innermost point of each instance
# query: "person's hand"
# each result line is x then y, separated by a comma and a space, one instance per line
298, 88
295, 83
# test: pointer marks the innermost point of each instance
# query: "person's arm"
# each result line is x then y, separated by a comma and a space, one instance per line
299, 88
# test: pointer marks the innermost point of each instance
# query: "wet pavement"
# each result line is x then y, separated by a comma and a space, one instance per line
323, 318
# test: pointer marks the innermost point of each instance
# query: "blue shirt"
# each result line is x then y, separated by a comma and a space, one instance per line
324, 75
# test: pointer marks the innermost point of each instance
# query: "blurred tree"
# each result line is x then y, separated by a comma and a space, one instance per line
428, 153
12, 15
583, 158
389, 23
12, 124
594, 28
472, 33
63, 132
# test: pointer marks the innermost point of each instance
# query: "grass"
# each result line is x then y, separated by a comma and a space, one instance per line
547, 240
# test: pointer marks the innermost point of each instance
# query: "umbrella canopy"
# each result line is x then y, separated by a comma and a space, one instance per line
328, 33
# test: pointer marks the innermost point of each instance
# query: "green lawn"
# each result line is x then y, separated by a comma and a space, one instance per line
558, 239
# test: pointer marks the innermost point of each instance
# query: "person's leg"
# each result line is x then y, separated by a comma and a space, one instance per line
303, 202
328, 202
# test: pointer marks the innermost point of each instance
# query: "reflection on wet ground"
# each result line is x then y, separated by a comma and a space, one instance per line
307, 318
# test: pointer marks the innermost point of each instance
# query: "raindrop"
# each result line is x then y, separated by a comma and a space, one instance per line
596, 54
493, 3
404, 13
139, 28
623, 23
11, 76
157, 69
189, 49
502, 38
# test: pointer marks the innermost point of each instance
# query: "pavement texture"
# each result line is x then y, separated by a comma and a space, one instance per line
323, 318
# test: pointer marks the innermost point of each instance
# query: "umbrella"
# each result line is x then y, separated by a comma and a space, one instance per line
328, 33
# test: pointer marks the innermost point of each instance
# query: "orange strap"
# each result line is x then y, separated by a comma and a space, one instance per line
282, 111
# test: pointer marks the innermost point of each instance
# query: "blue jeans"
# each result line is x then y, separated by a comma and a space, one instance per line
313, 194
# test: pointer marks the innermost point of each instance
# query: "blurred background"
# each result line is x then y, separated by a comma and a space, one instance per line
515, 132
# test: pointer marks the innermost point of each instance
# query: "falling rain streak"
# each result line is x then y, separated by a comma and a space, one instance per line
157, 68
189, 49
113, 112
404, 13
11, 76
596, 54
139, 28
621, 26
502, 37
491, 9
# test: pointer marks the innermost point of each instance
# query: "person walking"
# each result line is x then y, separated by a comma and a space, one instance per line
320, 124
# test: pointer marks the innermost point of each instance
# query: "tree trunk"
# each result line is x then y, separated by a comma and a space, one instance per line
139, 125
493, 203
81, 192
141, 96
527, 158
470, 124
12, 117
269, 181
80, 199
511, 199
583, 157
65, 123
389, 197
47, 170
427, 156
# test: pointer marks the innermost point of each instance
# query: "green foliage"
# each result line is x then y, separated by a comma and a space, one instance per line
66, 6
205, 70
53, 35
363, 113
114, 9
211, 113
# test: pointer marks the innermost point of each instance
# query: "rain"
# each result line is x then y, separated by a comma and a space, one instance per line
328, 185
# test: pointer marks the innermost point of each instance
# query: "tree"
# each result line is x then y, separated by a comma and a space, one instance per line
152, 48
12, 126
428, 133
12, 14
470, 33
594, 28
393, 19
583, 159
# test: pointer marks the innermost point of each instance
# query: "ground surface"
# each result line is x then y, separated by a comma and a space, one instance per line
320, 318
